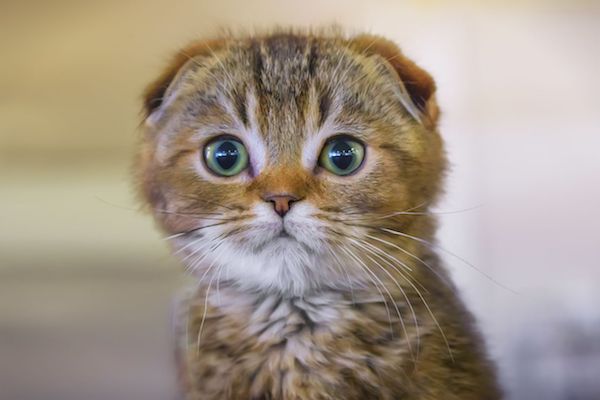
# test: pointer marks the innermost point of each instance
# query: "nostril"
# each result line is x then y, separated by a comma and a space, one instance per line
281, 203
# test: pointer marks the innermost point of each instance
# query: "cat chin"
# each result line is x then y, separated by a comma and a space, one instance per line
289, 256
283, 265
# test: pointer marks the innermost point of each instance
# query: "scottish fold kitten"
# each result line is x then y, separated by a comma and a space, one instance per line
293, 173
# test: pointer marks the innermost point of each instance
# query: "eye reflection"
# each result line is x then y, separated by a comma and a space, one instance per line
227, 155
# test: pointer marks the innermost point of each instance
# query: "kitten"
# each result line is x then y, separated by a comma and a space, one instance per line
293, 173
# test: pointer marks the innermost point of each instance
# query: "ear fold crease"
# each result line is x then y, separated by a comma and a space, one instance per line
415, 82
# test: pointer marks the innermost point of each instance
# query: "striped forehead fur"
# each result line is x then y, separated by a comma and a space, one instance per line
275, 58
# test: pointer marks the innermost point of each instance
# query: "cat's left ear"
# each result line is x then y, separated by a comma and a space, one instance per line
157, 92
417, 87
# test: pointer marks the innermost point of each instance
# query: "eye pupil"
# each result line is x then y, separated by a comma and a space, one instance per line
226, 155
342, 155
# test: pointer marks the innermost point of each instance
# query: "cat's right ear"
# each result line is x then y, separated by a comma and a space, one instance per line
417, 86
157, 93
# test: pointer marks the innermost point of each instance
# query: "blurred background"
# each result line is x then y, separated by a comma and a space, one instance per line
86, 282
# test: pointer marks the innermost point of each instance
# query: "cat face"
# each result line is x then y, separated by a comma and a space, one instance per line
273, 161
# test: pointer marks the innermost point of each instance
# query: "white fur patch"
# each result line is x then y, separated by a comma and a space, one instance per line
289, 255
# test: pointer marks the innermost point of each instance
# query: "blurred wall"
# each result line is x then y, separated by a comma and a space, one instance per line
85, 280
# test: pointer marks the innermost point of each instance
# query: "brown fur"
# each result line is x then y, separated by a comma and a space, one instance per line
403, 333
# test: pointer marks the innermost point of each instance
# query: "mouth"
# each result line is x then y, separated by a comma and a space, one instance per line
283, 234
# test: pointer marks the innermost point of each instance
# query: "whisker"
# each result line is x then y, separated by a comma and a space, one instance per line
434, 319
427, 307
391, 214
185, 213
431, 245
392, 259
206, 201
197, 215
365, 268
414, 315
439, 212
192, 243
437, 246
408, 211
192, 267
343, 270
418, 292
176, 235
206, 250
204, 312
377, 249
343, 247
201, 248
408, 253
161, 211
193, 230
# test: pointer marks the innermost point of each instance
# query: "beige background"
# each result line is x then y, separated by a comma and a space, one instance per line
85, 281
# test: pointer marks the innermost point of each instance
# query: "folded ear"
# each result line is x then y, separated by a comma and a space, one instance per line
416, 82
155, 92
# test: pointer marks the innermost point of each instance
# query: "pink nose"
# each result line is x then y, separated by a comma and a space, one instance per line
281, 202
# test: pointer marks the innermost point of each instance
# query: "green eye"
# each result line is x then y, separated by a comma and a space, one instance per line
342, 155
226, 156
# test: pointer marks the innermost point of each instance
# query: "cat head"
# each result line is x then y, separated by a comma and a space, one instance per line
272, 161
